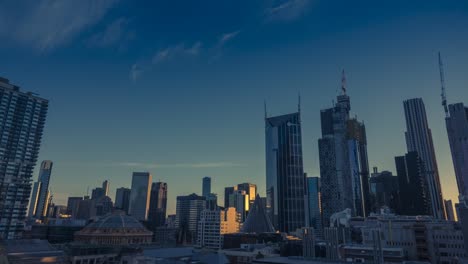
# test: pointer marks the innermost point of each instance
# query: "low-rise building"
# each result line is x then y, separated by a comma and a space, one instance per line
214, 224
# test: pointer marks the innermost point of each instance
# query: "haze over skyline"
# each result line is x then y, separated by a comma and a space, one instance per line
177, 88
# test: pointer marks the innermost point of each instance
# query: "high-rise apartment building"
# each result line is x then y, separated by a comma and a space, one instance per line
412, 181
188, 210
344, 170
206, 187
122, 199
22, 119
419, 139
313, 203
158, 205
285, 178
39, 199
213, 224
140, 195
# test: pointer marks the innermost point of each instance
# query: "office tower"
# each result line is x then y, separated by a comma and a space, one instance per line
412, 183
188, 210
86, 209
122, 199
240, 200
41, 202
227, 192
22, 118
105, 187
140, 195
250, 189
285, 179
73, 204
206, 188
313, 203
449, 210
213, 224
419, 139
212, 201
103, 206
343, 160
97, 193
384, 191
34, 199
158, 205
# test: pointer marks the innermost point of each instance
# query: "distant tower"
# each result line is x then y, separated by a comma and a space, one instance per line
140, 195
419, 139
39, 199
285, 178
206, 188
158, 205
105, 187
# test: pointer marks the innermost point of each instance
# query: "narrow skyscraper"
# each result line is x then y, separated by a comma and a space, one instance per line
122, 199
22, 118
42, 190
140, 195
419, 139
285, 178
158, 205
313, 202
105, 187
206, 188
344, 170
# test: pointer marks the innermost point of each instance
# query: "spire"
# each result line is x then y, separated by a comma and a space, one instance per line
299, 102
442, 83
265, 109
343, 83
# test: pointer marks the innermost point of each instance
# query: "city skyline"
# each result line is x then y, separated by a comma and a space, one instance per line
226, 83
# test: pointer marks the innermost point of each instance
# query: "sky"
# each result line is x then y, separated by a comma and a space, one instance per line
177, 88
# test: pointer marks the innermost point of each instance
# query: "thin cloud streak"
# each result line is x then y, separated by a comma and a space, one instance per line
227, 37
287, 11
180, 165
115, 32
177, 50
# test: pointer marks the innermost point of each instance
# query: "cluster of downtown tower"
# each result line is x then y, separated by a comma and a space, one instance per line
293, 200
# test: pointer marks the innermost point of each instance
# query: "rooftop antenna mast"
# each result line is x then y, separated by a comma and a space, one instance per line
299, 102
343, 83
265, 109
442, 83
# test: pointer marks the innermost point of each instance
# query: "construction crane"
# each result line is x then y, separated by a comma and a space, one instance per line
442, 83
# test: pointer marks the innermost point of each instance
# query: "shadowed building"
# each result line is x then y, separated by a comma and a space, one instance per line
285, 178
158, 205
140, 195
188, 210
258, 221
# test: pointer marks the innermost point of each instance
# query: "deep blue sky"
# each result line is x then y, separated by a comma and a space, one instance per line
177, 87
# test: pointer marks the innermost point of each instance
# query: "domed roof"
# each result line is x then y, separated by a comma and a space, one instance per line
116, 221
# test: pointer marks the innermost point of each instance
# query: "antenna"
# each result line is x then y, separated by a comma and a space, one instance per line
343, 83
265, 108
442, 83
299, 102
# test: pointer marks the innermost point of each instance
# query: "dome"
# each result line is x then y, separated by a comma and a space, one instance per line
115, 229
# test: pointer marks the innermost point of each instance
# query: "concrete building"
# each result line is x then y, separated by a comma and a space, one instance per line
344, 169
158, 205
384, 191
188, 211
285, 178
419, 139
73, 204
140, 195
213, 224
19, 149
122, 199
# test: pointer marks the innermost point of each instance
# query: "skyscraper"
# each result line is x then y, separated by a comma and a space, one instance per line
34, 199
105, 187
206, 188
285, 179
43, 189
22, 118
250, 189
384, 190
419, 139
140, 195
344, 170
73, 205
412, 181
158, 205
240, 200
213, 224
227, 192
313, 203
188, 210
122, 199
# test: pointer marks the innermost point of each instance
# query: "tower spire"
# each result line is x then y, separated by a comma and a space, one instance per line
442, 83
299, 102
265, 109
343, 83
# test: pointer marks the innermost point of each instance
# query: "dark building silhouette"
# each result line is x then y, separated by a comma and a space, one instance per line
257, 221
227, 192
285, 178
412, 185
188, 210
122, 199
384, 191
158, 205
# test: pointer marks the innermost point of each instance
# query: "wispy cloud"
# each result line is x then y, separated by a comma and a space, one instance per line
179, 165
226, 37
287, 10
48, 24
135, 72
177, 50
115, 32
